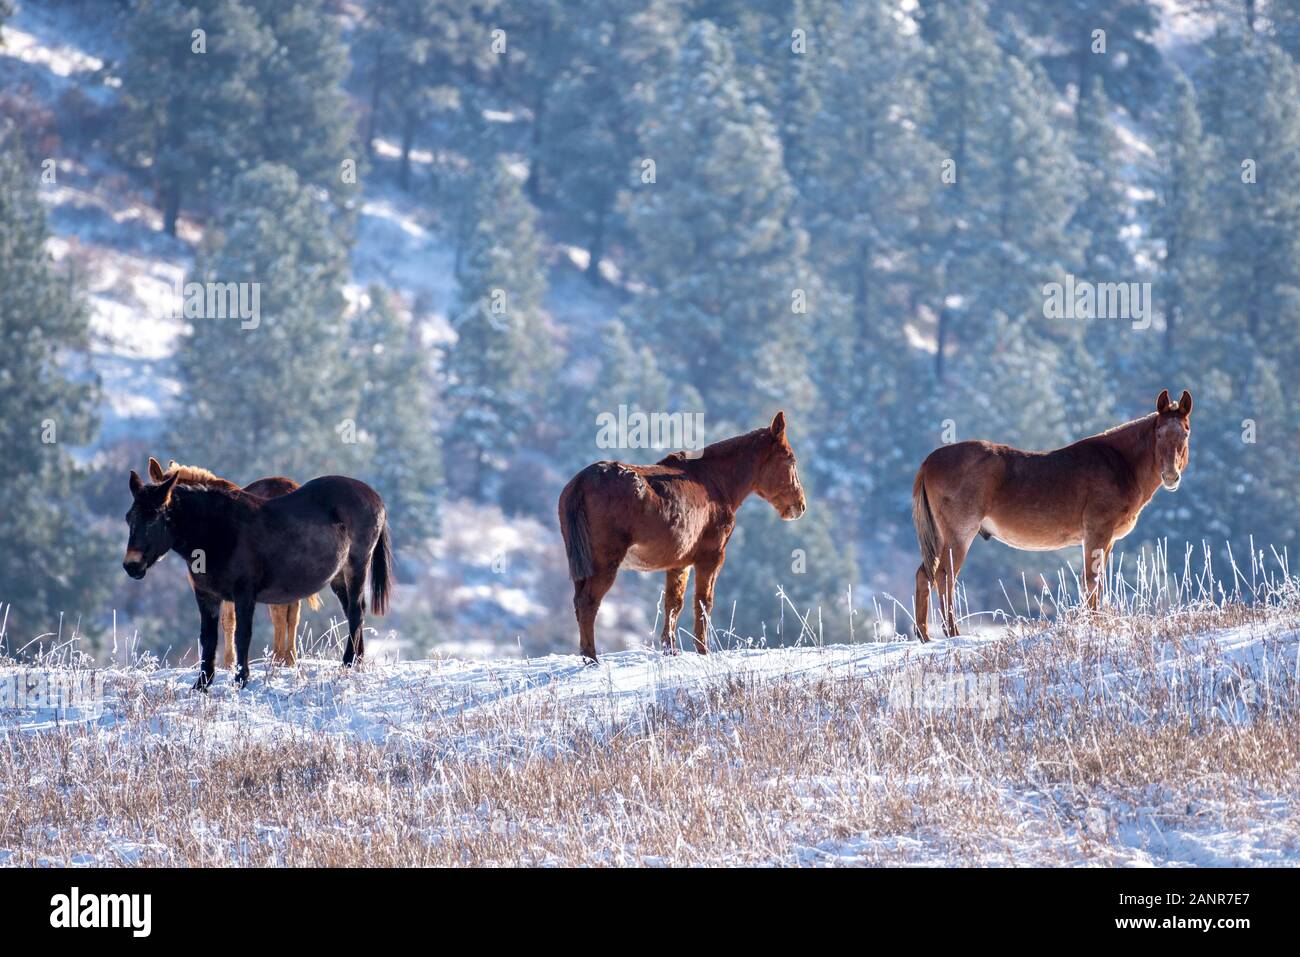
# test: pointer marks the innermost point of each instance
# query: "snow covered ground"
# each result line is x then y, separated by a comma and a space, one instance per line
1044, 747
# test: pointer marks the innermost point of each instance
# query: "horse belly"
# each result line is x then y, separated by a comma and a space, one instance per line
1031, 537
307, 565
665, 543
641, 560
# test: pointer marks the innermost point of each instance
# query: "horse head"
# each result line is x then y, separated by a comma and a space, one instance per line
777, 482
151, 535
1173, 434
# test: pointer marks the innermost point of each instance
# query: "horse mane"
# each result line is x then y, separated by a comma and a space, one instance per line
195, 477
1132, 423
727, 446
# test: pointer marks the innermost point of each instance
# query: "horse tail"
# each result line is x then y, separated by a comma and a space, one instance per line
927, 536
577, 534
314, 602
381, 571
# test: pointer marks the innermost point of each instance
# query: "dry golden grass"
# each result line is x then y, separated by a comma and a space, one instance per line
1105, 728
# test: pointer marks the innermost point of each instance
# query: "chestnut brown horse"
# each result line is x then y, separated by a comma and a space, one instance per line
1088, 493
284, 618
670, 517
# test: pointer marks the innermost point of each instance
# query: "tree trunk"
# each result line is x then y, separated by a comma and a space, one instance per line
862, 290
408, 138
171, 207
597, 248
372, 122
941, 342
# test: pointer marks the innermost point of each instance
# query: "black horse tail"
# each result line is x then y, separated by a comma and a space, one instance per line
577, 535
381, 572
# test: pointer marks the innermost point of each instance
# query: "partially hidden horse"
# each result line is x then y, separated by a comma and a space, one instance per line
284, 618
244, 549
1089, 493
670, 517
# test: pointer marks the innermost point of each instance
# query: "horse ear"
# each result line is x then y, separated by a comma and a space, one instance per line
155, 470
136, 484
1162, 402
1185, 404
168, 484
778, 425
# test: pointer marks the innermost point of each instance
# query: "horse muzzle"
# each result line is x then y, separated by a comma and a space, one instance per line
134, 564
794, 511
1171, 482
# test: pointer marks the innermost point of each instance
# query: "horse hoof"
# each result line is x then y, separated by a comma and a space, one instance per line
589, 662
241, 679
202, 684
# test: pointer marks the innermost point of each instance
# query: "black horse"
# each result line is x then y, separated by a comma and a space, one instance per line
245, 549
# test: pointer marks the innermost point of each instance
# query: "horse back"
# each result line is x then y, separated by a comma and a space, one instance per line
990, 478
660, 512
272, 487
334, 499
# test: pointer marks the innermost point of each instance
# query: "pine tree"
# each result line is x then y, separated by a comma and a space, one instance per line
418, 58
719, 249
1067, 34
189, 95
498, 368
1033, 185
53, 562
866, 183
396, 414
303, 119
1252, 198
275, 394
588, 143
1102, 214
1180, 221
961, 79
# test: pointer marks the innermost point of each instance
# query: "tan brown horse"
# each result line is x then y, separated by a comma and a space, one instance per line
670, 517
284, 618
1088, 493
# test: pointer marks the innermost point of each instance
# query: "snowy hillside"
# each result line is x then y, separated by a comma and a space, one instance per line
1141, 742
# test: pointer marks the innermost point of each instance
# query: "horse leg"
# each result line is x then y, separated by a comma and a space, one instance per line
1096, 556
244, 608
706, 576
277, 626
587, 595
291, 613
228, 628
950, 561
348, 590
674, 599
922, 609
340, 589
210, 610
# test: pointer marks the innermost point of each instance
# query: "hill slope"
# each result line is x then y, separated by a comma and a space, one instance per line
1148, 741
